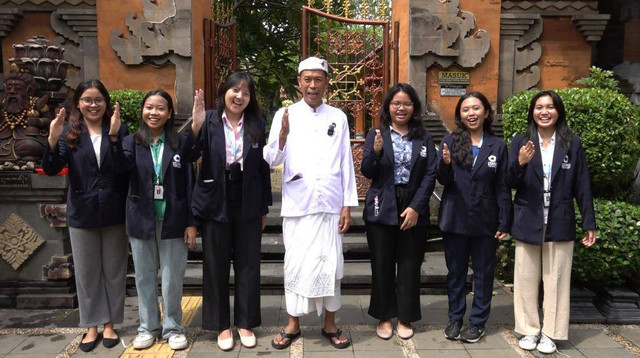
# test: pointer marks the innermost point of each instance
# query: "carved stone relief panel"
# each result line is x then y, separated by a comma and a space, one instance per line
9, 17
520, 52
550, 8
445, 34
78, 32
55, 214
521, 25
18, 241
440, 33
161, 36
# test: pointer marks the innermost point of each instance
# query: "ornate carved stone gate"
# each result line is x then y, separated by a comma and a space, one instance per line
220, 49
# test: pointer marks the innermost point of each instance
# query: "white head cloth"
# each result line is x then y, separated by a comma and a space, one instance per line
313, 63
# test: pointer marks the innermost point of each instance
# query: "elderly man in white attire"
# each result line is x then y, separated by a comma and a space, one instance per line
311, 138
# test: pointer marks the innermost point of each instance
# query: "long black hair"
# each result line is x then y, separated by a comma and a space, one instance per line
563, 132
143, 136
416, 129
252, 127
461, 151
76, 121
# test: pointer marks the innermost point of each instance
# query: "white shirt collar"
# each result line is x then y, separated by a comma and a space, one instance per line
310, 109
225, 120
551, 142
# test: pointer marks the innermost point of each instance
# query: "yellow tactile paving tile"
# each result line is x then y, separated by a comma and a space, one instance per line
190, 305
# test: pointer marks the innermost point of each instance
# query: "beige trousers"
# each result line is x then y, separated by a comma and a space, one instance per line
551, 262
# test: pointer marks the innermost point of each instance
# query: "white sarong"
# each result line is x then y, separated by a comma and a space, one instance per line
313, 263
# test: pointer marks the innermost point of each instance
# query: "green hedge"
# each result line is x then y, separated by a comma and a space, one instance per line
611, 261
608, 125
615, 256
130, 106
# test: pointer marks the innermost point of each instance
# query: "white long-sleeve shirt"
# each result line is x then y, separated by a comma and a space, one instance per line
318, 174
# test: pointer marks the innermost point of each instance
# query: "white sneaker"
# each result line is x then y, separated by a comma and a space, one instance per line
528, 343
178, 341
546, 345
143, 341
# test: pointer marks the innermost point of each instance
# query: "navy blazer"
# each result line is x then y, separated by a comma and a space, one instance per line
379, 168
476, 202
177, 183
209, 194
96, 195
569, 180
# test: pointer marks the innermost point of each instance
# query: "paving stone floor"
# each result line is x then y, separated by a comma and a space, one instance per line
53, 333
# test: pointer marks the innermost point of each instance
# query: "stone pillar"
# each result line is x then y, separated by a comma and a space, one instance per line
30, 238
519, 53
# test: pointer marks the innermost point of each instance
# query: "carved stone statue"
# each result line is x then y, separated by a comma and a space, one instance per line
24, 122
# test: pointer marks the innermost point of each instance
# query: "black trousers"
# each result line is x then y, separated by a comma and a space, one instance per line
237, 241
396, 294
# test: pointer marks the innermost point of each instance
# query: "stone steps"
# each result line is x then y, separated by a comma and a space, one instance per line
357, 276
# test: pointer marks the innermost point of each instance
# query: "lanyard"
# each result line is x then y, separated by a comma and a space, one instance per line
546, 174
156, 156
233, 143
475, 150
547, 165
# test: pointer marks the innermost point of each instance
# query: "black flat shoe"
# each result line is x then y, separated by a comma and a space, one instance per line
89, 346
111, 342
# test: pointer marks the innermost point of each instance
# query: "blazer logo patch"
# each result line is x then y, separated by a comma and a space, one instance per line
492, 161
176, 161
565, 163
376, 206
423, 151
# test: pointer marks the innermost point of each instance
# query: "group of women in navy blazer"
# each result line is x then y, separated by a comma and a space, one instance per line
400, 159
95, 207
475, 211
230, 206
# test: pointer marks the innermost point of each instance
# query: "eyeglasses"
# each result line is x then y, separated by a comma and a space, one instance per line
87, 101
397, 105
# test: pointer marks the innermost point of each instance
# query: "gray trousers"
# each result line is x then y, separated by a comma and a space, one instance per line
100, 261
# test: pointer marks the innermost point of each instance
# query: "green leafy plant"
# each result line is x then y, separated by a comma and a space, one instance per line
599, 78
607, 124
614, 258
130, 104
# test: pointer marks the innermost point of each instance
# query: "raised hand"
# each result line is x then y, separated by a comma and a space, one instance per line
446, 154
284, 129
114, 126
377, 142
198, 114
526, 153
55, 128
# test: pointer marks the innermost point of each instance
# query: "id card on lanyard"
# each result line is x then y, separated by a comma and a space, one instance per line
234, 144
156, 155
546, 184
